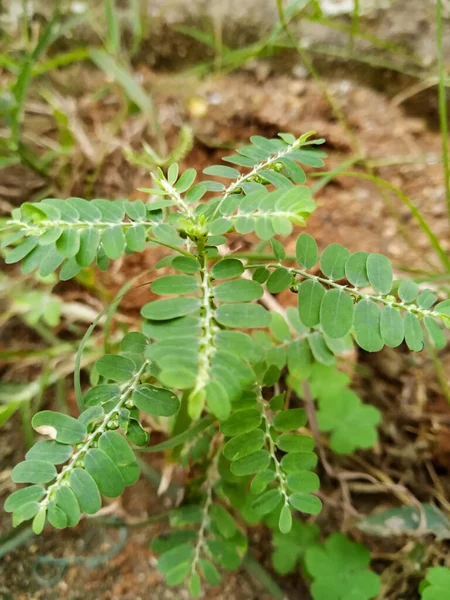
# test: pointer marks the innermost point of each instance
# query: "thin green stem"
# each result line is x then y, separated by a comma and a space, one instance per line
208, 328
355, 23
212, 477
443, 102
272, 449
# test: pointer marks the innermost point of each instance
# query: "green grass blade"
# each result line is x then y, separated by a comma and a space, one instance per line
443, 103
124, 78
112, 27
24, 77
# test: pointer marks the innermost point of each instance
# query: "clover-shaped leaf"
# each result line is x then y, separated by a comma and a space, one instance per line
290, 548
351, 423
340, 570
437, 584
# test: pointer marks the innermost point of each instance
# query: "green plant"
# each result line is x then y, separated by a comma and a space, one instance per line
196, 371
340, 571
436, 585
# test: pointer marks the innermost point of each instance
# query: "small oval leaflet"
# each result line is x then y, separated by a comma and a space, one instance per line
333, 260
303, 481
115, 367
113, 242
227, 268
310, 295
175, 284
86, 491
244, 444
25, 512
241, 421
413, 332
356, 269
267, 502
306, 251
89, 243
336, 313
391, 327
279, 280
261, 480
33, 471
32, 493
306, 503
290, 419
243, 316
366, 322
116, 447
320, 350
252, 463
240, 290
285, 520
426, 299
217, 400
104, 472
156, 401
408, 290
59, 427
101, 393
68, 503
161, 310
298, 461
186, 264
222, 171
49, 451
379, 272
292, 442
435, 332
56, 516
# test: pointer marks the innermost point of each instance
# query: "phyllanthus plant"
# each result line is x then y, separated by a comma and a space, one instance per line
210, 361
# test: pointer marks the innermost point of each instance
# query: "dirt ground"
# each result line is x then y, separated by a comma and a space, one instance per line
414, 448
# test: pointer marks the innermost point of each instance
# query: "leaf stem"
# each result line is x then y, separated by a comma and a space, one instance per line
212, 477
387, 300
279, 475
208, 326
236, 184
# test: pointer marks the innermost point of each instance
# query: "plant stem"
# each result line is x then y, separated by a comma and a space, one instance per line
443, 103
208, 328
279, 475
